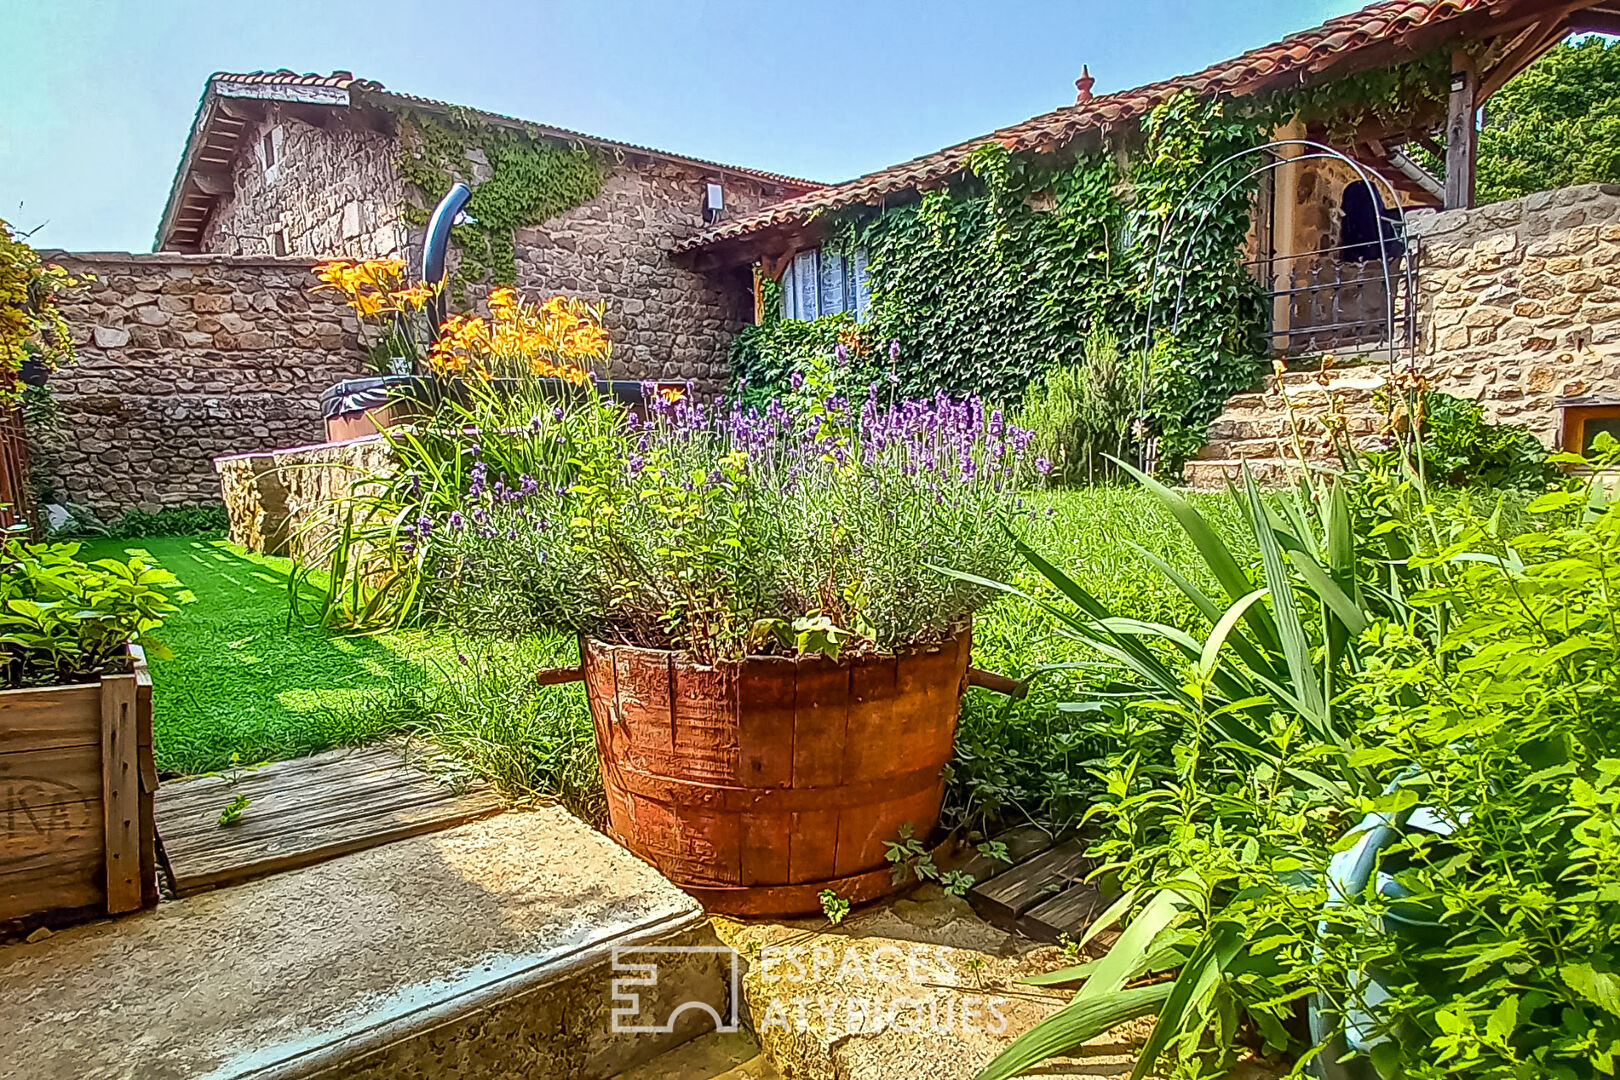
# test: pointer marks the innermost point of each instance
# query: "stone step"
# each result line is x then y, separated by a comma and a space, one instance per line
919, 988
1369, 377
485, 951
1274, 426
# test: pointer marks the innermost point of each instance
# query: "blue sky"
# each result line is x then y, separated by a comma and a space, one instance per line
96, 96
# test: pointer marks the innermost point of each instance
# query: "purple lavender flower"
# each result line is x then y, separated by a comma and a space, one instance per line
424, 526
528, 485
456, 519
634, 464
416, 486
796, 380
894, 350
534, 425
841, 353
556, 412
1043, 466
479, 474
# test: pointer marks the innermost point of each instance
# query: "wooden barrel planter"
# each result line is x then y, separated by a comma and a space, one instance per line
755, 785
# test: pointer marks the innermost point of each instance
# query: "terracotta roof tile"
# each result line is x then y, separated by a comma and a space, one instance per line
1304, 51
342, 80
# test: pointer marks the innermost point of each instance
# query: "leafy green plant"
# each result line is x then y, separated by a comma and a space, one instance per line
170, 521
835, 907
64, 621
1460, 448
989, 283
232, 814
1251, 721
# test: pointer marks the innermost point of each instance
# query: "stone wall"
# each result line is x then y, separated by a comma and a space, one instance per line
1519, 302
334, 191
183, 358
667, 322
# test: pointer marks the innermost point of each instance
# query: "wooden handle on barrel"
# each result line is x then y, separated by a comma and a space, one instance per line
1000, 684
556, 676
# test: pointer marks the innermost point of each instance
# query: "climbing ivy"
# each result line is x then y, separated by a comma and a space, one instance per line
1384, 96
991, 281
532, 179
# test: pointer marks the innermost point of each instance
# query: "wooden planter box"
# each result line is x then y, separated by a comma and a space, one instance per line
76, 785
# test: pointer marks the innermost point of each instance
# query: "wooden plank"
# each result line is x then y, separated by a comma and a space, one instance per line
121, 791
329, 767
1024, 842
148, 777
55, 774
1068, 913
189, 812
1004, 898
56, 879
43, 717
313, 845
1461, 138
40, 830
259, 821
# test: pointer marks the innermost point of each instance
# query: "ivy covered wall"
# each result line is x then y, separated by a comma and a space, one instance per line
989, 282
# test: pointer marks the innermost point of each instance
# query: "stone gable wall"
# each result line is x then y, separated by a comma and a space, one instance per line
183, 358
1519, 302
334, 191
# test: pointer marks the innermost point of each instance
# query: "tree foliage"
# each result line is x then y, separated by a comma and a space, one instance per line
1556, 124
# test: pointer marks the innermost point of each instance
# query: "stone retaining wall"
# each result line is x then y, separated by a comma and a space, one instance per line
1519, 302
182, 359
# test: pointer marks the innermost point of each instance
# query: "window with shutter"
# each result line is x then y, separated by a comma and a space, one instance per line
821, 283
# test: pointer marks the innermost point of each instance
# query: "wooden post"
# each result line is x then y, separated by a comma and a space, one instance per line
121, 791
1461, 138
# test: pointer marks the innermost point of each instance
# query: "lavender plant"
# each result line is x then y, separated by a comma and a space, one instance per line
804, 526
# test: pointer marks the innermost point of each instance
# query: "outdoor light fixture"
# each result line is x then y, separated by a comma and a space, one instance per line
714, 202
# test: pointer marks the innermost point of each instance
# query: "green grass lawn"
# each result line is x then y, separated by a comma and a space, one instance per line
240, 680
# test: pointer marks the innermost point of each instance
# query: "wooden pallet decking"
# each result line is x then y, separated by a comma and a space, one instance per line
303, 811
1042, 893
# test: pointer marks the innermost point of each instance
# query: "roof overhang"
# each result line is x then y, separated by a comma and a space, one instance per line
229, 107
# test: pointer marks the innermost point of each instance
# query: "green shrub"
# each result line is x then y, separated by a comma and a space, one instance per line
135, 523
765, 355
1081, 413
1461, 449
1385, 652
171, 521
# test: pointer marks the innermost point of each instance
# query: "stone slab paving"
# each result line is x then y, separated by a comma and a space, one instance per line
920, 988
481, 951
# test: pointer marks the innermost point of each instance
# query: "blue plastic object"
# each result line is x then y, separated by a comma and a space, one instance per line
437, 243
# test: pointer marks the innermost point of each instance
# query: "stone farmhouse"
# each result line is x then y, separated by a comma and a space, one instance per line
213, 344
